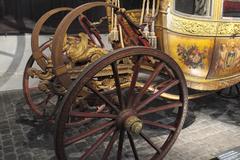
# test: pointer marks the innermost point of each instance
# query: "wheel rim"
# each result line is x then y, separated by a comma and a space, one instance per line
39, 57
125, 117
37, 52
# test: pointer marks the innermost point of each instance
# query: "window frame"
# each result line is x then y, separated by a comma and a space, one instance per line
228, 18
207, 17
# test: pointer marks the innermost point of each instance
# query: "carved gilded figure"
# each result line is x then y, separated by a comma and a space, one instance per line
80, 48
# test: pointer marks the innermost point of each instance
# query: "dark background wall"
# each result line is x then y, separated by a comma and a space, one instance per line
19, 16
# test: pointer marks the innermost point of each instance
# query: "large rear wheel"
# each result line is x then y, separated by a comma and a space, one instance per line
132, 125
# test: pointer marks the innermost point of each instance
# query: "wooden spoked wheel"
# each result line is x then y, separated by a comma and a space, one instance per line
130, 126
41, 103
230, 92
37, 52
41, 57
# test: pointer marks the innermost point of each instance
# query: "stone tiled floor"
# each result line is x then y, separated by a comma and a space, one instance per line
216, 128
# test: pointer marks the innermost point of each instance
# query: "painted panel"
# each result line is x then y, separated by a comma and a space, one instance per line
193, 54
226, 60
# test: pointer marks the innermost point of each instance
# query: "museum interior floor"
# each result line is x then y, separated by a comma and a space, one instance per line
212, 127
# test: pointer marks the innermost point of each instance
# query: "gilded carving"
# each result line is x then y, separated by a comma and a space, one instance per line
134, 15
228, 28
79, 52
193, 27
164, 5
80, 49
203, 28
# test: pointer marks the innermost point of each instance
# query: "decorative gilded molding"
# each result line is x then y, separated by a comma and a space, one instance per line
164, 5
202, 27
134, 15
228, 28
192, 26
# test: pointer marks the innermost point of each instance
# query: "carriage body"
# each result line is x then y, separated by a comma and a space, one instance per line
203, 40
205, 45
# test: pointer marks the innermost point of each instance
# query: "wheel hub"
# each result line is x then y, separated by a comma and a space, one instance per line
128, 120
133, 124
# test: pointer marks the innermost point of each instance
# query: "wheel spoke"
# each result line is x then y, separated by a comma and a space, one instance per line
120, 144
49, 98
134, 80
90, 150
163, 84
155, 157
92, 115
157, 94
161, 108
45, 101
169, 71
238, 89
110, 145
159, 125
230, 90
42, 102
148, 140
78, 123
104, 98
148, 83
133, 146
50, 101
55, 108
85, 134
117, 84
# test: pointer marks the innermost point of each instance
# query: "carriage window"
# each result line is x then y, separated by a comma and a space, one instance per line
131, 4
194, 7
231, 8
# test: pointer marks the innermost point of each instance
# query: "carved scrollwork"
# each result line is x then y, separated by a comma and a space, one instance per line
193, 27
202, 28
228, 28
134, 15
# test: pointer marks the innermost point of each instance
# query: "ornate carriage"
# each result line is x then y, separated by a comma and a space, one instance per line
99, 96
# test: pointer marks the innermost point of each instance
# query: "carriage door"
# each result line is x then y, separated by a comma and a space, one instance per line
226, 58
191, 35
